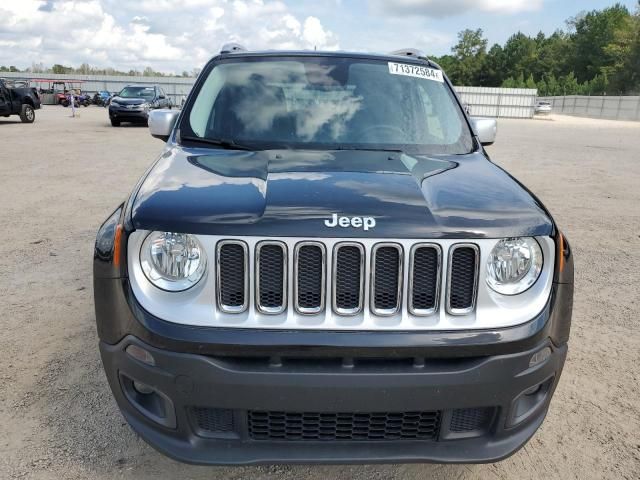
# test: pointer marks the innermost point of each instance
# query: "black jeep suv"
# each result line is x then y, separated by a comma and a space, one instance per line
324, 265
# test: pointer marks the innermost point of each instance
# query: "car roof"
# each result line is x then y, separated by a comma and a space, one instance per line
324, 53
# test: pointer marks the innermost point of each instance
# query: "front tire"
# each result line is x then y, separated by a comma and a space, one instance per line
27, 114
115, 123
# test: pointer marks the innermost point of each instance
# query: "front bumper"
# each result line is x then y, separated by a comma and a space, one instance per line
124, 114
201, 413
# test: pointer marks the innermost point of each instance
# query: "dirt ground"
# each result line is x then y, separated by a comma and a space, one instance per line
60, 177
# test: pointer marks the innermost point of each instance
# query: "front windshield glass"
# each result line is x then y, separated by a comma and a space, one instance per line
137, 92
328, 103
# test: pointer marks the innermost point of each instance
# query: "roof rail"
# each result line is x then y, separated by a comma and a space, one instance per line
232, 48
410, 52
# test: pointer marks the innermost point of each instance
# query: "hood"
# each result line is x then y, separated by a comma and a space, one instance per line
130, 101
292, 193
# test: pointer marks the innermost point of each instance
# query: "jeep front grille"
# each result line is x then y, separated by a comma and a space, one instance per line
352, 283
343, 284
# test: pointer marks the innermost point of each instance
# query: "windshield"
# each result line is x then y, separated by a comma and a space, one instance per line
328, 103
137, 92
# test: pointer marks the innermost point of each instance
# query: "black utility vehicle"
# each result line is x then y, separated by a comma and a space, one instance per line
324, 265
21, 101
134, 102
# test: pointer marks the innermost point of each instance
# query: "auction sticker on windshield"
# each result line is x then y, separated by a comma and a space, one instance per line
415, 71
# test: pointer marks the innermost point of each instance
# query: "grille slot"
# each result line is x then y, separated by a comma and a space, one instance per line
271, 274
232, 276
348, 270
463, 278
316, 426
310, 277
424, 279
386, 279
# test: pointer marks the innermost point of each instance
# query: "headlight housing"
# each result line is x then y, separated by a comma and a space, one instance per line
173, 261
514, 265
115, 104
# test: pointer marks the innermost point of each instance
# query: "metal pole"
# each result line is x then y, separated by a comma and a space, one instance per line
638, 109
602, 106
619, 105
498, 106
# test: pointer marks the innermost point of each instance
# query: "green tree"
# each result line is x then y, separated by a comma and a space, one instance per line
469, 54
593, 33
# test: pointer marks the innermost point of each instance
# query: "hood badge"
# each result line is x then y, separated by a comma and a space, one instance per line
355, 222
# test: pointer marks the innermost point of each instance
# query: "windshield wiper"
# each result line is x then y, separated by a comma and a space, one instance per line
218, 142
371, 149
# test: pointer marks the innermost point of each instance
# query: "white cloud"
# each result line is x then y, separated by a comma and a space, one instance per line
449, 8
167, 35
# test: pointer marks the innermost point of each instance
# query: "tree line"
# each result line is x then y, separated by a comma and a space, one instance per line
598, 54
86, 69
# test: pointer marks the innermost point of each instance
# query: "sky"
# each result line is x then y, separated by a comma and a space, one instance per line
173, 36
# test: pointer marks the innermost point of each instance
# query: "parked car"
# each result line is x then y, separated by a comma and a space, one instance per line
134, 102
324, 265
542, 108
22, 101
101, 98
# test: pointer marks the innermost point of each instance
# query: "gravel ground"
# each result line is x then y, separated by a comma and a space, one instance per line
62, 176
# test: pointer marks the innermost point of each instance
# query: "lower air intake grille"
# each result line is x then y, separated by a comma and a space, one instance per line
349, 265
463, 272
213, 420
471, 419
232, 272
343, 426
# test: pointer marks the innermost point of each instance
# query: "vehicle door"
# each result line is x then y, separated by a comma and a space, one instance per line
5, 100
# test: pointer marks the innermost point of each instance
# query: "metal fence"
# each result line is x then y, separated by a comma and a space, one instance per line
482, 101
176, 87
618, 108
499, 102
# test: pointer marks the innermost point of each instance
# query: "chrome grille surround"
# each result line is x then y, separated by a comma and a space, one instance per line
201, 306
361, 287
423, 312
385, 312
268, 309
463, 311
323, 279
245, 304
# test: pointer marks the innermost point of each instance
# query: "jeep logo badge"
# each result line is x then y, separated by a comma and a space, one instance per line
355, 222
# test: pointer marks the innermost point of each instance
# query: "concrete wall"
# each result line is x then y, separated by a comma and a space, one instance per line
499, 102
618, 108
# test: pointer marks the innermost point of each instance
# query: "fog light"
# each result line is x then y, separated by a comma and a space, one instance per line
142, 388
141, 355
540, 356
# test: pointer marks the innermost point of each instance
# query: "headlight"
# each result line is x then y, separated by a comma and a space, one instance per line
514, 265
115, 104
172, 261
146, 106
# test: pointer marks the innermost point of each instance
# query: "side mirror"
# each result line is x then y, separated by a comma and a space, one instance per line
486, 129
161, 123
